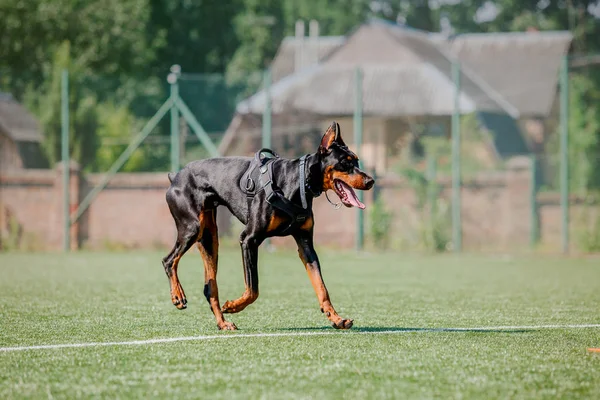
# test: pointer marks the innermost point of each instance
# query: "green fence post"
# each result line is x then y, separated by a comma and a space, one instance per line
64, 121
564, 151
431, 183
175, 149
456, 169
534, 231
358, 139
267, 124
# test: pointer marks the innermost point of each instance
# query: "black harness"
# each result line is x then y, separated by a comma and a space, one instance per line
259, 176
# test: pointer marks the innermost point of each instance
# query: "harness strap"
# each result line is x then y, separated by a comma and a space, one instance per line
303, 181
273, 195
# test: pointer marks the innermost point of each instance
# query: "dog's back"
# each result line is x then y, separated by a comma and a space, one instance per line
215, 180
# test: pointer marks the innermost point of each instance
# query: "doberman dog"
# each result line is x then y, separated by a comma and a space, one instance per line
271, 196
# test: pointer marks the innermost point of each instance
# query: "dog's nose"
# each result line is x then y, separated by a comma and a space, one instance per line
369, 182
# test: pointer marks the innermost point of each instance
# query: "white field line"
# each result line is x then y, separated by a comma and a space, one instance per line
294, 334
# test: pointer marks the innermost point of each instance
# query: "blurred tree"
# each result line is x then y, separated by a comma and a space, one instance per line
520, 15
117, 122
584, 136
259, 28
83, 123
417, 14
197, 35
335, 17
108, 37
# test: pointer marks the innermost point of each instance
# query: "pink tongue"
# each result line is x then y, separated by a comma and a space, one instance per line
351, 196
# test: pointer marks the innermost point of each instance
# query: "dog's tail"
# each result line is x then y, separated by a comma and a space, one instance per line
172, 176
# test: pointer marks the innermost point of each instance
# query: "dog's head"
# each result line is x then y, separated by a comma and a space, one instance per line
340, 168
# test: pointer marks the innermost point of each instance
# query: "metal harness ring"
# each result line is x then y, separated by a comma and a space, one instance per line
335, 205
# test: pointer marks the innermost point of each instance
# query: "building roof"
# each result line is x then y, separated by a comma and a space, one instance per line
522, 66
513, 73
308, 50
17, 122
388, 90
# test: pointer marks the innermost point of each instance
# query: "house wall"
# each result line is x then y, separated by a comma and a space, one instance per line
9, 154
132, 213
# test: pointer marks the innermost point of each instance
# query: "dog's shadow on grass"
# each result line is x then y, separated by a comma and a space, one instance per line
384, 329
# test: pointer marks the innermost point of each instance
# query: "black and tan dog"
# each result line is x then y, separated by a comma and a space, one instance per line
271, 196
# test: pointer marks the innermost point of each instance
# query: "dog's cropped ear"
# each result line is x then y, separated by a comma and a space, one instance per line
333, 134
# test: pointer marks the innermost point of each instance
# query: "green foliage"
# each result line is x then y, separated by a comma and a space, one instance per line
434, 218
380, 220
519, 15
588, 232
83, 123
335, 17
197, 35
212, 98
584, 136
117, 122
584, 133
259, 30
11, 237
110, 37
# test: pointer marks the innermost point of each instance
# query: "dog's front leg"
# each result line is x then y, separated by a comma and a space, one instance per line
249, 244
307, 253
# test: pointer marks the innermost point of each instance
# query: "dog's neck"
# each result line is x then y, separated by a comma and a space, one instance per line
314, 175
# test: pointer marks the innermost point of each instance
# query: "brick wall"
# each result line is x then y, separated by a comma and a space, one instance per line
131, 211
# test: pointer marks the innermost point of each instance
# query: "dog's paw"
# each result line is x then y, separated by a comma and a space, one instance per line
227, 326
179, 300
343, 324
228, 308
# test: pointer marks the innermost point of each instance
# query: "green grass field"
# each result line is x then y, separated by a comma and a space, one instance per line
89, 297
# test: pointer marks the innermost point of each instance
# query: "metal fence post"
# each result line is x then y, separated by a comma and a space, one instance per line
431, 183
456, 168
358, 139
64, 121
267, 123
534, 230
175, 140
564, 151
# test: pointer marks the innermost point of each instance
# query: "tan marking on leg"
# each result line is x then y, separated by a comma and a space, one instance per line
275, 222
177, 294
323, 296
210, 257
308, 225
237, 305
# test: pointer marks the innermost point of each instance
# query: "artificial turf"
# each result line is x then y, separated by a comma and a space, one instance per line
103, 297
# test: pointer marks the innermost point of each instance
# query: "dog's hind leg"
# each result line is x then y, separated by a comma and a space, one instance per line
208, 244
188, 228
185, 239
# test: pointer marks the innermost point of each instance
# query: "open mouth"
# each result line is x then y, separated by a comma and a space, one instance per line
347, 195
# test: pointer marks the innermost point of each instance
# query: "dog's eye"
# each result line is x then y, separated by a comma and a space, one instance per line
345, 165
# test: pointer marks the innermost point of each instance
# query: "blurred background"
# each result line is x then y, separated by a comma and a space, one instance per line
480, 119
